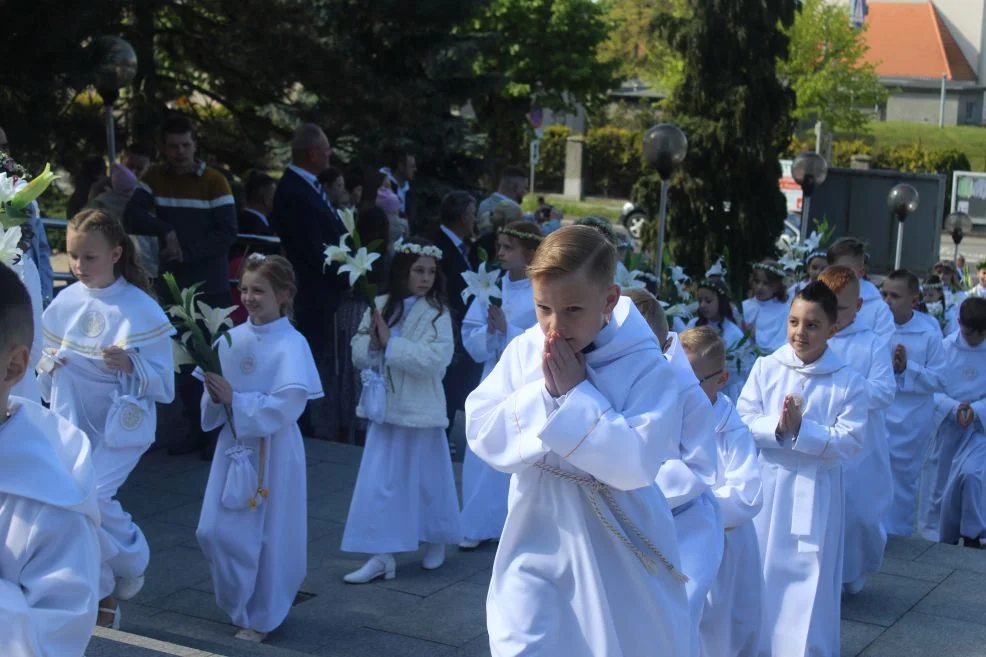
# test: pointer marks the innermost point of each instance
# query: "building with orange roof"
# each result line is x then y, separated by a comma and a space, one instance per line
914, 44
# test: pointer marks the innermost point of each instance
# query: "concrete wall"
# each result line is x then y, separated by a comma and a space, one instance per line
919, 106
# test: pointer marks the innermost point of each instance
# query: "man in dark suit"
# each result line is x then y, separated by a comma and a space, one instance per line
305, 222
254, 218
454, 238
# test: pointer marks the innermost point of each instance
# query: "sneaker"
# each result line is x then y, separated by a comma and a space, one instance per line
469, 544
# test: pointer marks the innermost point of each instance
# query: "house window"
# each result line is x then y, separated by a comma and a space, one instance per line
970, 111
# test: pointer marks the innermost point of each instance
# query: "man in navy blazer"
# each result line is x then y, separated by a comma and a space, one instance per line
305, 222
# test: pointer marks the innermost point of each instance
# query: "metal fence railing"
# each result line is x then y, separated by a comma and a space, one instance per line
243, 239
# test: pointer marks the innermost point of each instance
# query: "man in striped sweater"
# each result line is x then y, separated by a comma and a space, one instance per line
189, 207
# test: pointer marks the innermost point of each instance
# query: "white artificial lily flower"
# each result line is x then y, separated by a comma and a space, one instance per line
683, 310
481, 284
337, 254
812, 242
348, 220
180, 355
9, 251
358, 265
6, 188
678, 274
629, 280
215, 318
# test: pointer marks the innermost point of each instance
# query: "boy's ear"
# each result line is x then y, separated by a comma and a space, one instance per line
723, 378
859, 304
612, 298
15, 365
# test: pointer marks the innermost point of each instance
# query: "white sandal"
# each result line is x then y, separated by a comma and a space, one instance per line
252, 636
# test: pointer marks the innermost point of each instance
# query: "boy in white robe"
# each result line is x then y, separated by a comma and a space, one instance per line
807, 411
579, 411
730, 624
955, 506
873, 314
50, 557
917, 359
687, 481
867, 478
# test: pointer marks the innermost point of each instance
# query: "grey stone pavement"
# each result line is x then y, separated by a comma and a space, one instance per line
929, 599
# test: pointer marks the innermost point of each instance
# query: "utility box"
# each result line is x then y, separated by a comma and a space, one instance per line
854, 201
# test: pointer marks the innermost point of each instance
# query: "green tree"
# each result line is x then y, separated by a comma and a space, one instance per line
825, 68
735, 113
544, 51
636, 46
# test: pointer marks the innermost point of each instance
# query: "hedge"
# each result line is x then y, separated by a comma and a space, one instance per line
614, 159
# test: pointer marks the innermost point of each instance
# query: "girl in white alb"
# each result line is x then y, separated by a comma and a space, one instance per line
807, 412
486, 331
107, 361
730, 624
716, 310
815, 264
765, 315
405, 491
253, 526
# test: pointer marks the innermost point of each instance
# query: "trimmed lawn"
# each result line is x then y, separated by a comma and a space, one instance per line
610, 208
971, 140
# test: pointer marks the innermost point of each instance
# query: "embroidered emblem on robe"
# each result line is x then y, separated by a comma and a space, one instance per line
92, 323
248, 364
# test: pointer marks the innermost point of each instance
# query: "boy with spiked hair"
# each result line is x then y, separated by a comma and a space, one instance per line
873, 314
579, 410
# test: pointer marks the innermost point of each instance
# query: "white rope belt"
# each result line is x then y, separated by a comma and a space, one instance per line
596, 490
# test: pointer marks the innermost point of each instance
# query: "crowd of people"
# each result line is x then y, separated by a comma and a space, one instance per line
709, 479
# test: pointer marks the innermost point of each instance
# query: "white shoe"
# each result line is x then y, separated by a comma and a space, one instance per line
855, 588
117, 615
127, 588
381, 565
469, 544
252, 636
434, 556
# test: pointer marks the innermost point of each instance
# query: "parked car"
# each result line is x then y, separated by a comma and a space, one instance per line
633, 218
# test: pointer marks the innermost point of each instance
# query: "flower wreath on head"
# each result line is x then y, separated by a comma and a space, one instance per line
773, 269
820, 253
716, 286
400, 246
521, 235
933, 286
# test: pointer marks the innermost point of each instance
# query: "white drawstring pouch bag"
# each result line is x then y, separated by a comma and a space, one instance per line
128, 422
240, 489
373, 399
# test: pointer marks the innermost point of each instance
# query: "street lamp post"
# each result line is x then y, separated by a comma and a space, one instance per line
665, 147
115, 65
902, 201
809, 170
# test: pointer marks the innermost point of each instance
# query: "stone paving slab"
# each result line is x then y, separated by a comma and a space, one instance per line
927, 600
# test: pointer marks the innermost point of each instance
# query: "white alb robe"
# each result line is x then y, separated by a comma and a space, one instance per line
739, 359
78, 324
909, 417
875, 313
953, 454
258, 557
867, 478
564, 584
731, 618
686, 482
800, 528
405, 490
769, 321
28, 272
50, 556
484, 490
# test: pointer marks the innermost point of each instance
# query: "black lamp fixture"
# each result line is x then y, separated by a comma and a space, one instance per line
809, 170
114, 67
665, 147
902, 201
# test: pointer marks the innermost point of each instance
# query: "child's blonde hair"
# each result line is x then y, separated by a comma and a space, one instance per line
127, 266
278, 272
704, 342
653, 312
838, 277
572, 249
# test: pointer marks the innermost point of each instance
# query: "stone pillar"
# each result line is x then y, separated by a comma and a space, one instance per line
861, 161
574, 165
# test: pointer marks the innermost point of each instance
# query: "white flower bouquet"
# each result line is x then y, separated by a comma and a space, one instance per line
357, 261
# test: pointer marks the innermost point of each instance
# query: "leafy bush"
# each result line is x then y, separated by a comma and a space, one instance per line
550, 171
614, 160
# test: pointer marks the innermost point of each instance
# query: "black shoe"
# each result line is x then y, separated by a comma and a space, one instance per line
972, 543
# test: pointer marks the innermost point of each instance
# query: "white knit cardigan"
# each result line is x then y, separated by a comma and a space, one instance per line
414, 366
